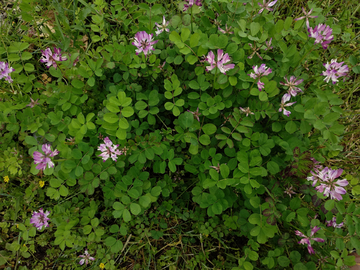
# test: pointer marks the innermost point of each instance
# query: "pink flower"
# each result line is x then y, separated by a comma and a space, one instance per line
162, 27
109, 150
289, 191
306, 240
255, 50
332, 223
334, 70
268, 44
246, 111
267, 6
317, 173
196, 114
143, 42
33, 103
291, 84
40, 219
221, 60
283, 104
328, 186
44, 160
5, 71
307, 16
191, 3
258, 73
51, 58
226, 31
86, 257
322, 34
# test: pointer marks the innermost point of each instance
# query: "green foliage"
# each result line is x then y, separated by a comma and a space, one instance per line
203, 158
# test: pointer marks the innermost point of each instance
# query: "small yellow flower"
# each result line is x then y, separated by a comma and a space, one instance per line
6, 179
102, 266
41, 183
17, 226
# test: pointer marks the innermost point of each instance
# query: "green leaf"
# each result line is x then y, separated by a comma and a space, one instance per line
77, 83
111, 118
127, 111
290, 127
126, 215
194, 40
209, 129
175, 37
204, 139
254, 28
185, 33
283, 261
329, 205
186, 120
224, 170
31, 140
135, 208
273, 167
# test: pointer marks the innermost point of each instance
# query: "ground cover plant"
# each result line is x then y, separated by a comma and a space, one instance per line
179, 135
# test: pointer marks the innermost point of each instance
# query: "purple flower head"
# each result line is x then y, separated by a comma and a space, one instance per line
317, 173
33, 103
5, 71
246, 111
267, 6
196, 114
322, 34
328, 186
334, 70
44, 160
108, 150
190, 3
268, 44
283, 104
51, 58
40, 219
221, 60
332, 223
289, 191
307, 16
162, 27
258, 73
306, 240
85, 258
292, 83
143, 42
226, 31
255, 50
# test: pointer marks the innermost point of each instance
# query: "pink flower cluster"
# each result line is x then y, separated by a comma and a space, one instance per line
328, 186
40, 219
334, 70
5, 71
44, 160
86, 258
306, 240
283, 104
267, 6
292, 83
219, 63
258, 73
322, 34
332, 223
307, 16
162, 27
191, 3
143, 41
51, 58
108, 150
